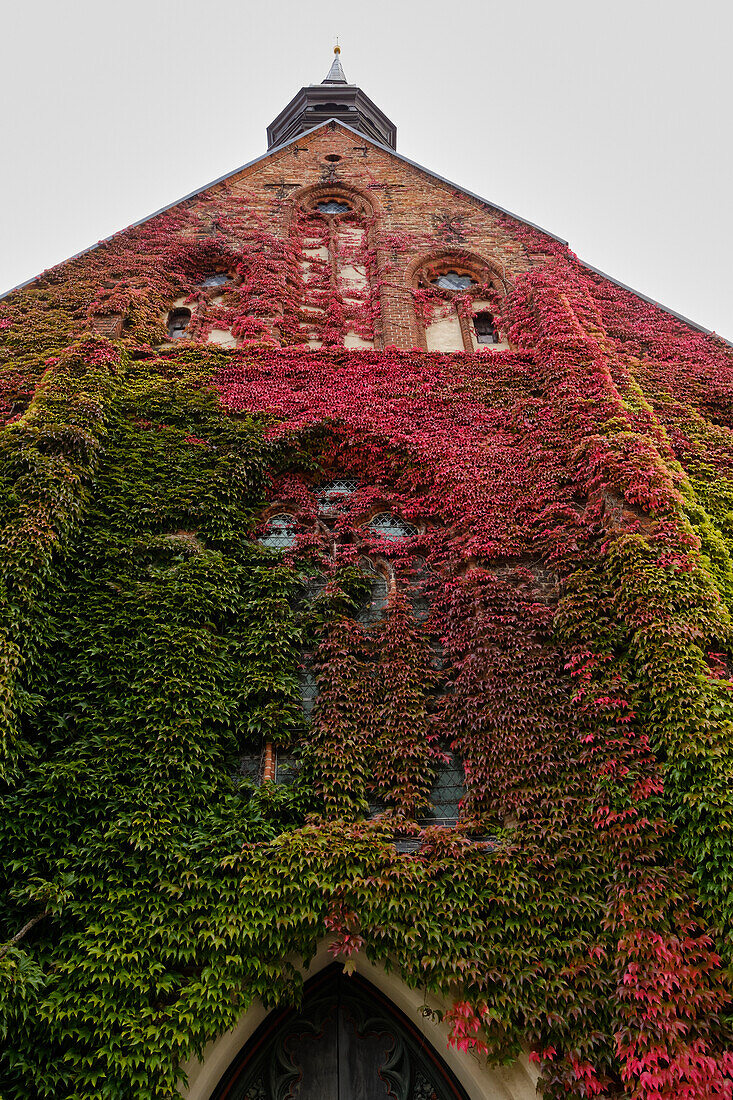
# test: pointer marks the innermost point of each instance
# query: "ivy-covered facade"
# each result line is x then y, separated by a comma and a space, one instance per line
366, 588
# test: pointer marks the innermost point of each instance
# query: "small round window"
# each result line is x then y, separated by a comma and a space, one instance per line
453, 280
332, 206
388, 526
279, 533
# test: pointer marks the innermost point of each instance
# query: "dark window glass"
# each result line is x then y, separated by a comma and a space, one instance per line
308, 691
250, 766
287, 767
332, 207
486, 333
314, 585
376, 604
279, 533
218, 279
388, 526
451, 280
178, 322
406, 845
448, 790
414, 586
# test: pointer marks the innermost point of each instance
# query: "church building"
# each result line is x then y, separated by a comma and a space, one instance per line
366, 662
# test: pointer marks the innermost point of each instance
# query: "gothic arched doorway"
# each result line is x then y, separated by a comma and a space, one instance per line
348, 1042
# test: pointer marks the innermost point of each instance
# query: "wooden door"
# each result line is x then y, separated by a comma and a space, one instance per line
347, 1043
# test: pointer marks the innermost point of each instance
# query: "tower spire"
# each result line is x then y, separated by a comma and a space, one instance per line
333, 98
336, 74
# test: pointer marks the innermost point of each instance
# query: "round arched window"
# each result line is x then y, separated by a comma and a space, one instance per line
279, 533
388, 526
332, 497
332, 206
453, 280
217, 279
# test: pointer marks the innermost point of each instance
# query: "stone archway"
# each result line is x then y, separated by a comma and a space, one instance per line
347, 1042
231, 1061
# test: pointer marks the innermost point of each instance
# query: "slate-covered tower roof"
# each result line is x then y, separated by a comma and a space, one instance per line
334, 97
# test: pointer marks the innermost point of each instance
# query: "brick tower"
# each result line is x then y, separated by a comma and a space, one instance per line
366, 652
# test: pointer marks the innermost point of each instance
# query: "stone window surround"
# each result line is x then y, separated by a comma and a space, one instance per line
365, 209
429, 265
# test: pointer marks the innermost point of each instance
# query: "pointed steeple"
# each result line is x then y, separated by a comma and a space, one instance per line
333, 98
336, 74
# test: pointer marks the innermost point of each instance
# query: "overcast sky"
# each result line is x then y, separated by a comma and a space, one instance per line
608, 124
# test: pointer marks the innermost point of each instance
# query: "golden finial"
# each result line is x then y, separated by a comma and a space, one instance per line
337, 48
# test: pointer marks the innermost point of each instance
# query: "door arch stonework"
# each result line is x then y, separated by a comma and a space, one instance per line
471, 1079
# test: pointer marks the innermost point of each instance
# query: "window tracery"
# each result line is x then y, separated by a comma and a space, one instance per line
279, 532
386, 525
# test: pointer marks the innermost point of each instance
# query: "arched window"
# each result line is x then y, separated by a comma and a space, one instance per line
485, 330
216, 279
332, 207
388, 526
450, 281
453, 280
279, 532
332, 497
178, 322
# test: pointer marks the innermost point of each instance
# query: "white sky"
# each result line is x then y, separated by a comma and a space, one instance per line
607, 124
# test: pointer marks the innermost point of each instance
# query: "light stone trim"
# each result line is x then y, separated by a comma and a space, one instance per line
481, 1082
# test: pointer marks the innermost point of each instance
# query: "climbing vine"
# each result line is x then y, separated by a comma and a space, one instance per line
570, 503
